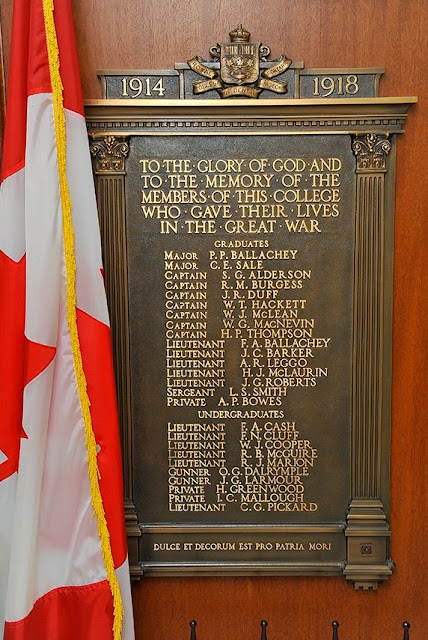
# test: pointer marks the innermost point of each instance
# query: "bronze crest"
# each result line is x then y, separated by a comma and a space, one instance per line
239, 68
239, 59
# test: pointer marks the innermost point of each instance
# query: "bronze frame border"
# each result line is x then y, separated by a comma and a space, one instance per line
114, 121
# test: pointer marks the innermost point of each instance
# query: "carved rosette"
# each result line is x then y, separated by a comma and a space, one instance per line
371, 152
109, 154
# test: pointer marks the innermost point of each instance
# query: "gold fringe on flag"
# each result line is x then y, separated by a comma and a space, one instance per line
70, 266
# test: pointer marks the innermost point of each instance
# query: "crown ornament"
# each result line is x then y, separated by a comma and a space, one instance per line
239, 34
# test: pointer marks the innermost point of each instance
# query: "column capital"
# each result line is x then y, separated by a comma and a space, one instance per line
109, 153
371, 151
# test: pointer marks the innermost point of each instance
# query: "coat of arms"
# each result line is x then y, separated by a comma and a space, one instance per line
239, 68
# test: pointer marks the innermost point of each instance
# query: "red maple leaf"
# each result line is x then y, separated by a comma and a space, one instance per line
20, 360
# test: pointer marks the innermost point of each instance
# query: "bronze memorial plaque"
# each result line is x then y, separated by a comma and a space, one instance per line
248, 238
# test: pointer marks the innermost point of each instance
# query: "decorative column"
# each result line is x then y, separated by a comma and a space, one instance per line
367, 529
109, 154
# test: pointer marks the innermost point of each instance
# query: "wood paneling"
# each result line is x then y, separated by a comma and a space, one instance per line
390, 33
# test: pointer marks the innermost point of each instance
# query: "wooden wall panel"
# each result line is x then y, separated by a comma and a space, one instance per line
390, 33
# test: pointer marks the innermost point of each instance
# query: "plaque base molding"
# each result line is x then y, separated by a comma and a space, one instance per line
328, 547
173, 569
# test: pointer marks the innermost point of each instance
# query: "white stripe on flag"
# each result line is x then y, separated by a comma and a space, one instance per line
12, 220
90, 290
43, 223
7, 506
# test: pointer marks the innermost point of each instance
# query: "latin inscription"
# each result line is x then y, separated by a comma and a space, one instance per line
241, 546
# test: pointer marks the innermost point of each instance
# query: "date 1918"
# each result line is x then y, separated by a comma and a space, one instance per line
324, 86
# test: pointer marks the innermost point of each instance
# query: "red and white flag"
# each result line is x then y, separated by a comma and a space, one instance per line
63, 558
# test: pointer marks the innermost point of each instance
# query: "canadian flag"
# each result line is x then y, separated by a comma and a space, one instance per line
63, 559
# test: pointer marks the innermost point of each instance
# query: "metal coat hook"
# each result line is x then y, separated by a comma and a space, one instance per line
263, 625
335, 626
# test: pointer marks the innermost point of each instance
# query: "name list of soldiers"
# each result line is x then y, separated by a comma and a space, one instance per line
242, 339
